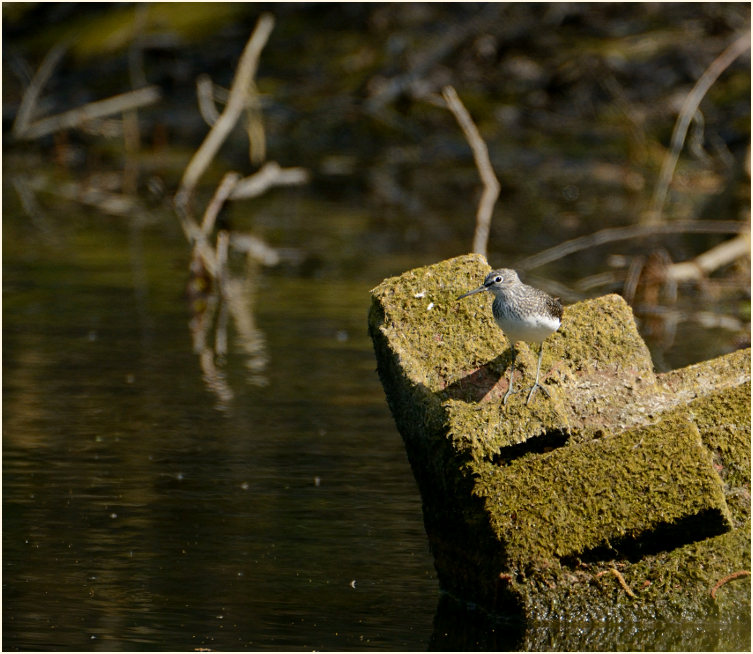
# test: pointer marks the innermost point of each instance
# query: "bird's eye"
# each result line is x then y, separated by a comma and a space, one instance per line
498, 279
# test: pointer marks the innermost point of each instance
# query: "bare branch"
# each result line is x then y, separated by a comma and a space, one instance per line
426, 59
269, 175
31, 95
688, 110
257, 140
481, 156
254, 248
237, 100
718, 256
205, 97
220, 195
612, 234
92, 111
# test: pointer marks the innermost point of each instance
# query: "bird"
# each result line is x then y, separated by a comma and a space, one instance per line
523, 313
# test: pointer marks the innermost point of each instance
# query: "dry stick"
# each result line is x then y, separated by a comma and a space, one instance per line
223, 192
239, 89
270, 174
93, 110
714, 258
131, 131
481, 157
688, 110
31, 95
205, 97
257, 140
612, 234
256, 249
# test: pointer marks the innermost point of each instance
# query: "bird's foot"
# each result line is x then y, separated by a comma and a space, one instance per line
508, 393
533, 390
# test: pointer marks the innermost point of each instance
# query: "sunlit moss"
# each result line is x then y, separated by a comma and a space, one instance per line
619, 471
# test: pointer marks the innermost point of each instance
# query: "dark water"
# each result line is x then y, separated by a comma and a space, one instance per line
138, 514
146, 508
155, 498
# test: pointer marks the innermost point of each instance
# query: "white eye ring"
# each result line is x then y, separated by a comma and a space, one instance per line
498, 278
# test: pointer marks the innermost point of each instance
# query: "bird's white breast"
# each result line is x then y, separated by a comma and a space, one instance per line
531, 328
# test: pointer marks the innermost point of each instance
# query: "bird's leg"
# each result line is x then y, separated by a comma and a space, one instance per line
538, 370
512, 370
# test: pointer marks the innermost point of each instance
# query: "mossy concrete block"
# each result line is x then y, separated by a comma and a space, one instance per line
617, 493
616, 467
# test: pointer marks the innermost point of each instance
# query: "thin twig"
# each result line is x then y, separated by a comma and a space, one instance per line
205, 97
612, 234
31, 95
76, 117
237, 100
257, 141
270, 174
220, 195
481, 157
688, 110
716, 257
256, 249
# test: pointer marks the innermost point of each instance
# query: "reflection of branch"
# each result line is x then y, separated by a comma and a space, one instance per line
236, 102
239, 293
688, 110
215, 378
91, 111
255, 248
481, 157
612, 234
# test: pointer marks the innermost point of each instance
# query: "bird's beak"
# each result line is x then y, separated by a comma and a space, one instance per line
475, 290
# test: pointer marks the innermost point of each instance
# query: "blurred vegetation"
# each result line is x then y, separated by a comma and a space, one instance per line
576, 102
592, 81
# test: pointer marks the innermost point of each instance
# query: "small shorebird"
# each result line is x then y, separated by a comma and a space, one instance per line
523, 313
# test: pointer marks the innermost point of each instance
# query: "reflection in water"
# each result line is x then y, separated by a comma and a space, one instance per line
462, 627
212, 301
134, 518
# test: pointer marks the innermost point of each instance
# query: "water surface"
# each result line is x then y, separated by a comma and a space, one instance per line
142, 512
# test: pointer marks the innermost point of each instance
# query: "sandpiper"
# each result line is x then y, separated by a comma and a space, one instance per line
523, 313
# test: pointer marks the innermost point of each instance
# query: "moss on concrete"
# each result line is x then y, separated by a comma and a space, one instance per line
609, 493
616, 468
